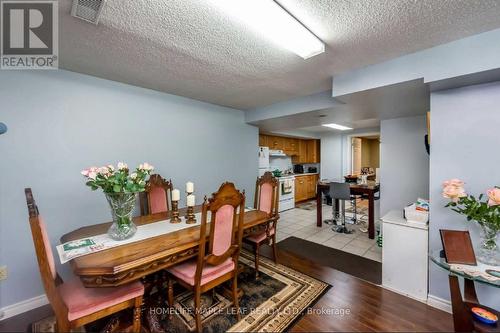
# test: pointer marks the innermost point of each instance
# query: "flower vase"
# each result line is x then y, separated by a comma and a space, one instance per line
122, 206
489, 252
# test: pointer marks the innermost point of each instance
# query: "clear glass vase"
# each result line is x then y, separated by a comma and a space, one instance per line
489, 252
122, 206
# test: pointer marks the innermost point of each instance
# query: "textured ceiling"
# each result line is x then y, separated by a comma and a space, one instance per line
191, 48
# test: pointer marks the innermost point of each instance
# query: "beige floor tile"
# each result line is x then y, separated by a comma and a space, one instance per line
336, 243
376, 248
361, 245
354, 249
373, 256
320, 237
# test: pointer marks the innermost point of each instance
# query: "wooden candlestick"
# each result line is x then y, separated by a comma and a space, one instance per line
190, 219
175, 212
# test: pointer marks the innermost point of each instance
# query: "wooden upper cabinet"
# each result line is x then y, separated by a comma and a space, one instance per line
291, 146
276, 142
301, 150
313, 151
263, 140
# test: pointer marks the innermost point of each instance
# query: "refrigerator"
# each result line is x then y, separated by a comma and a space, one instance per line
263, 160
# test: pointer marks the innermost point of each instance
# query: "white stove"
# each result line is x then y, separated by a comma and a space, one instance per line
286, 192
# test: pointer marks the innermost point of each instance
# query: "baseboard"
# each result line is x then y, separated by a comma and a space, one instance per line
23, 306
439, 303
404, 294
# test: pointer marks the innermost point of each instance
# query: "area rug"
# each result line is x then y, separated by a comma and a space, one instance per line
308, 205
271, 303
360, 267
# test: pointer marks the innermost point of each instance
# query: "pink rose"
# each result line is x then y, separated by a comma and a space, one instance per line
494, 196
85, 172
453, 189
92, 175
453, 182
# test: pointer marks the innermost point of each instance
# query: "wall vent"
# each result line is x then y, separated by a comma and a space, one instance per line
87, 10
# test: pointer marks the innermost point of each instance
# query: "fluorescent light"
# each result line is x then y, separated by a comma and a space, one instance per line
270, 20
338, 127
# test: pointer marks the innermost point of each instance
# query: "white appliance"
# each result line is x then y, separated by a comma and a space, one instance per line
404, 256
286, 193
263, 160
277, 153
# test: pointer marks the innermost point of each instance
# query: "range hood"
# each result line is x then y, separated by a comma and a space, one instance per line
276, 153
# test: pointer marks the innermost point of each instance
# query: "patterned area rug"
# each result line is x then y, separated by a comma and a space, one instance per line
269, 303
308, 205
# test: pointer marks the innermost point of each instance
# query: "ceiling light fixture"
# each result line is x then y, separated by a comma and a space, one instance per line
272, 21
338, 127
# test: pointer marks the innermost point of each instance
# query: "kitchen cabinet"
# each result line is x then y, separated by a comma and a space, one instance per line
263, 140
305, 187
301, 150
300, 189
291, 146
313, 151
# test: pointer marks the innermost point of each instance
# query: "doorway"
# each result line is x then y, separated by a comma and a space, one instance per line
365, 154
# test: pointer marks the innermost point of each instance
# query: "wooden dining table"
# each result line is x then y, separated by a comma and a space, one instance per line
323, 186
134, 261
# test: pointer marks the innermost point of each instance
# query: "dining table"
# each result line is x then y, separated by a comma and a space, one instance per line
133, 261
368, 190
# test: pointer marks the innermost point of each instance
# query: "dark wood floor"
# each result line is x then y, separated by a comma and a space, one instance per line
370, 307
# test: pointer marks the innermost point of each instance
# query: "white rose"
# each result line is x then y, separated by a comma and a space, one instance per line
122, 166
133, 176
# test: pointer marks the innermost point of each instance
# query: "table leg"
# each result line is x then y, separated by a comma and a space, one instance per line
371, 215
470, 292
462, 320
319, 207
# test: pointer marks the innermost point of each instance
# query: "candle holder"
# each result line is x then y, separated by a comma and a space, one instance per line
190, 219
175, 212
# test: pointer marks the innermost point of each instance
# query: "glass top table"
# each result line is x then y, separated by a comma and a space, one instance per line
474, 273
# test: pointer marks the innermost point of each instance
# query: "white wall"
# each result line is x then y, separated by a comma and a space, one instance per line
404, 163
331, 156
60, 122
465, 141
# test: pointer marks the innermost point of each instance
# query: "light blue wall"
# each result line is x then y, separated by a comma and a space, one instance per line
336, 151
404, 163
60, 122
465, 144
303, 104
468, 55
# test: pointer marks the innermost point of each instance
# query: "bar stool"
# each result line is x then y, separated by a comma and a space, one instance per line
341, 192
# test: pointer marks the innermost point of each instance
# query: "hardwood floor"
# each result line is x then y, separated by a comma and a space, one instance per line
366, 307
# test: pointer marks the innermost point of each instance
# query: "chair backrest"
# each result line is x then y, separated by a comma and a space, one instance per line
341, 191
267, 194
45, 257
157, 196
227, 208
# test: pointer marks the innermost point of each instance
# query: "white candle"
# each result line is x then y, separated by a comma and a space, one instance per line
189, 187
190, 200
176, 195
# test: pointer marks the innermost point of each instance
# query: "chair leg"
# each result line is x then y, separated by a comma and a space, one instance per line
236, 302
137, 314
170, 296
275, 253
62, 326
197, 309
257, 250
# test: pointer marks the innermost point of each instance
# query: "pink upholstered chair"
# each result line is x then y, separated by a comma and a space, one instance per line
73, 304
219, 263
156, 198
266, 199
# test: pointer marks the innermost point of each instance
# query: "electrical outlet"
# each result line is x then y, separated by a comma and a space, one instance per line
3, 273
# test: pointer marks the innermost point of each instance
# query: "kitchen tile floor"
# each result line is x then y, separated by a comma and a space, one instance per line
301, 223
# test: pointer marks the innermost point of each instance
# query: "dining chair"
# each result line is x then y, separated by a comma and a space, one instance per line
218, 263
266, 200
157, 195
73, 304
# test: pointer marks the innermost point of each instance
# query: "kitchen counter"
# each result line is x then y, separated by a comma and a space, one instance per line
305, 174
